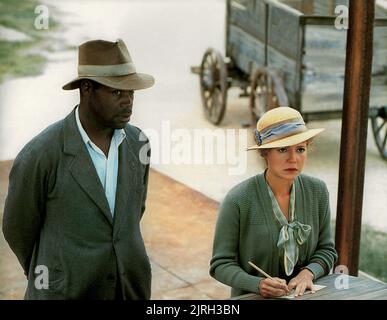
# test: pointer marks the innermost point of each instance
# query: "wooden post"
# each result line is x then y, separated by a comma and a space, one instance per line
354, 132
307, 7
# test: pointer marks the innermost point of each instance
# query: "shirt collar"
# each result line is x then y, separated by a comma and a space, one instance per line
118, 135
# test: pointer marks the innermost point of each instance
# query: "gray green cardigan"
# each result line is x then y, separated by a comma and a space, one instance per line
246, 230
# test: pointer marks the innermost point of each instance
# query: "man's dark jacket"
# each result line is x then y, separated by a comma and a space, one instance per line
56, 214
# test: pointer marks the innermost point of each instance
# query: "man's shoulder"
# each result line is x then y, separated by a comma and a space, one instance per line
46, 141
135, 133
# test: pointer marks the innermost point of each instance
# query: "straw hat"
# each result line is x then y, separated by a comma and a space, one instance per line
110, 64
281, 127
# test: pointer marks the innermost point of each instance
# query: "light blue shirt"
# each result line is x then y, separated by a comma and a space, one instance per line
107, 168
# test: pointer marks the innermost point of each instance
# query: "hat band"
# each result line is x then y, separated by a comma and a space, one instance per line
279, 131
106, 70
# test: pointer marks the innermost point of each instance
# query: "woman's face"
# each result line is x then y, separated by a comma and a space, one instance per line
287, 162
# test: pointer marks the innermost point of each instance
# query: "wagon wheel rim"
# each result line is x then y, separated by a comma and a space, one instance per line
213, 85
379, 129
262, 96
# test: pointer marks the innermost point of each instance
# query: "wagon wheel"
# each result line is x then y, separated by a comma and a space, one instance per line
379, 128
213, 85
267, 92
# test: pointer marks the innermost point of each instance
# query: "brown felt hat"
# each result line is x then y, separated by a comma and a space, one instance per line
110, 64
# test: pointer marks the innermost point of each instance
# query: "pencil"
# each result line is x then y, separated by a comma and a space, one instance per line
263, 272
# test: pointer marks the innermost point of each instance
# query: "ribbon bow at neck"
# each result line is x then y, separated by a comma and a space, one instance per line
292, 234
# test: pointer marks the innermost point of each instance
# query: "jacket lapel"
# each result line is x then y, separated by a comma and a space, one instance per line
126, 180
82, 167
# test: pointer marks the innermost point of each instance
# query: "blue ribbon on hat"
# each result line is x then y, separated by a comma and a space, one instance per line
279, 131
258, 138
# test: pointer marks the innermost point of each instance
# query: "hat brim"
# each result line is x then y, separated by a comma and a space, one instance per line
135, 81
289, 141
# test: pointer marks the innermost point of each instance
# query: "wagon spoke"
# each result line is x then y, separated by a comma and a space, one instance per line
215, 104
381, 126
207, 97
263, 94
379, 130
206, 65
210, 59
210, 105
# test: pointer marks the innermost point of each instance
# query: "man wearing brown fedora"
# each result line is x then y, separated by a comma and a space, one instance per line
77, 191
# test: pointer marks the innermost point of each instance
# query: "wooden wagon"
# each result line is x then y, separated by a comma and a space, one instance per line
291, 53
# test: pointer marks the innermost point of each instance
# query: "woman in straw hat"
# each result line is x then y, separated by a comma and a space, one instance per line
278, 220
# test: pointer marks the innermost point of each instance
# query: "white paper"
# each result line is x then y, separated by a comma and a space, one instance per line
317, 287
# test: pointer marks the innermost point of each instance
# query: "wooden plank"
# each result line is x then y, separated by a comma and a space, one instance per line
356, 287
247, 296
283, 30
324, 63
315, 7
318, 115
376, 295
317, 20
245, 50
287, 67
380, 46
378, 94
380, 11
326, 7
330, 21
249, 15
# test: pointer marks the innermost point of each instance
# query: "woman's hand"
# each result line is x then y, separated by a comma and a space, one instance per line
303, 281
270, 288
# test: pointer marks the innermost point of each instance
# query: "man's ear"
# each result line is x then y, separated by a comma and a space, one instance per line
85, 87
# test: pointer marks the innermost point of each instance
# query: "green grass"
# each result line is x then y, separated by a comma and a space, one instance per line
373, 252
15, 57
14, 62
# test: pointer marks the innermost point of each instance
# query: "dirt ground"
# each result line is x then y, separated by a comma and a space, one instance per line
178, 229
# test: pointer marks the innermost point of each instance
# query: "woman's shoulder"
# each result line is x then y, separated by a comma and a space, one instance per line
312, 183
243, 189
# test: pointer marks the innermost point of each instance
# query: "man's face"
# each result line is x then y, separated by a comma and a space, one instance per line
110, 107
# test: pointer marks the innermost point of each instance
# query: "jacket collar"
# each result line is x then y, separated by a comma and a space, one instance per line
81, 166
